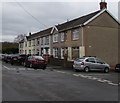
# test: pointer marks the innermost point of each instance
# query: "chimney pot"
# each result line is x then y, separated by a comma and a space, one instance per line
103, 4
30, 33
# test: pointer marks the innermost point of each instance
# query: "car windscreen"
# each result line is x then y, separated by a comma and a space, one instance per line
39, 58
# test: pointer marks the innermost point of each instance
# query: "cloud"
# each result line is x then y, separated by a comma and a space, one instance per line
15, 20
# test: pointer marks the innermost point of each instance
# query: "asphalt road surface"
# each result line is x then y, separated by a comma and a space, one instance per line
26, 84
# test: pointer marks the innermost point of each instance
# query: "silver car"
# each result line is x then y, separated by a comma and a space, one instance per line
90, 63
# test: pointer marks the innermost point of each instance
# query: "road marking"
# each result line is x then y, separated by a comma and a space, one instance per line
113, 84
97, 79
59, 71
6, 67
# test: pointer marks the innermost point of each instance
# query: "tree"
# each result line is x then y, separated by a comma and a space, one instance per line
19, 38
9, 47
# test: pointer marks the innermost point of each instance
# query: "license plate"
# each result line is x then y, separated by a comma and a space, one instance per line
14, 59
40, 61
77, 64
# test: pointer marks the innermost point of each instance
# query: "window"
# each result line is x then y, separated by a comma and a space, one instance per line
33, 51
30, 43
75, 34
42, 41
62, 36
80, 59
29, 51
38, 41
55, 38
92, 60
47, 40
66, 36
21, 45
37, 51
99, 61
62, 53
55, 52
33, 42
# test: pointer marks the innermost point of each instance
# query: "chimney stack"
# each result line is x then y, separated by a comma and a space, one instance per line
30, 33
103, 5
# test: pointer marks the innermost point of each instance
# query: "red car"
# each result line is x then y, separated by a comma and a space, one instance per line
35, 62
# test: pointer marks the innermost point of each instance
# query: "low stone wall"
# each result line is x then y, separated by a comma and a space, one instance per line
60, 62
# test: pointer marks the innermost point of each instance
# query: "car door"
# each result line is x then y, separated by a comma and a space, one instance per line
29, 60
90, 62
100, 64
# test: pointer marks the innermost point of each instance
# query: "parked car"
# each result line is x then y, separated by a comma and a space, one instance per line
35, 62
90, 63
117, 68
7, 58
2, 56
18, 58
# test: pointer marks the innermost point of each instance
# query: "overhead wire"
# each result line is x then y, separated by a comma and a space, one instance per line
30, 14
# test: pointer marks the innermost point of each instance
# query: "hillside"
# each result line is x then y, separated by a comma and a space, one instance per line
8, 47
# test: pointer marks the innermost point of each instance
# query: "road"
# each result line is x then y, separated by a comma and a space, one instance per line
27, 84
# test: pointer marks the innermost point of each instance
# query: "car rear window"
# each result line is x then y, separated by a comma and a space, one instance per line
39, 57
80, 59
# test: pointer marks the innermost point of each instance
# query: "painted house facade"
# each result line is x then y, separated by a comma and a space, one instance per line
95, 34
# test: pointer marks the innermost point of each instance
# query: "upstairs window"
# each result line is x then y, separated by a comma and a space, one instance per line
38, 41
75, 34
30, 43
33, 42
55, 38
62, 36
66, 36
42, 41
47, 40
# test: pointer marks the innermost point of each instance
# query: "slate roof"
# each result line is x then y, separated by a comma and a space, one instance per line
43, 32
76, 22
67, 25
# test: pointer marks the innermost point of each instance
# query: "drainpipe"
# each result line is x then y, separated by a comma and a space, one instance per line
82, 37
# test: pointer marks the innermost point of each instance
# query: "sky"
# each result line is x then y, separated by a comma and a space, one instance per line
24, 16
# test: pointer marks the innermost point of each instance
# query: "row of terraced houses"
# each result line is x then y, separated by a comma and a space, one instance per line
95, 34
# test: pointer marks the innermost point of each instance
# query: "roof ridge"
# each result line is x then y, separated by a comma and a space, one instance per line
81, 17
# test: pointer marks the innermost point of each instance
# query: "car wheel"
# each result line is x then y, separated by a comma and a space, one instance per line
86, 69
44, 68
31, 65
24, 64
106, 70
12, 63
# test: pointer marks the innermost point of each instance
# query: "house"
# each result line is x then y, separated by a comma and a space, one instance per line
95, 34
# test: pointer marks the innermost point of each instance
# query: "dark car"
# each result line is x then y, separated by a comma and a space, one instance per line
117, 68
35, 62
18, 59
7, 58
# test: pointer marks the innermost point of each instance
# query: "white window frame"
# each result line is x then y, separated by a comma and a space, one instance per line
38, 41
55, 52
66, 36
55, 38
47, 40
75, 34
42, 40
62, 36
